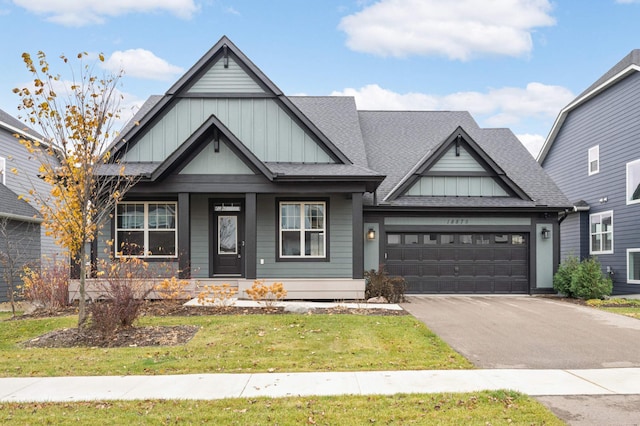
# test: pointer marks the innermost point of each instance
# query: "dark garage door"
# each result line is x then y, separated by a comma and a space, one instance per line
460, 262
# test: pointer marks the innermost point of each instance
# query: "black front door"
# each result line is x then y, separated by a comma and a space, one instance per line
227, 240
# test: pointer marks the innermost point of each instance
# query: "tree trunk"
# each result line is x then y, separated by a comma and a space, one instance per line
82, 310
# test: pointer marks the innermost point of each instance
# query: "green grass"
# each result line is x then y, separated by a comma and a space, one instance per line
240, 344
622, 306
480, 408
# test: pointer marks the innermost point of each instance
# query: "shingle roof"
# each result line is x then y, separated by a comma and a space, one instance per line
14, 122
398, 140
10, 204
632, 58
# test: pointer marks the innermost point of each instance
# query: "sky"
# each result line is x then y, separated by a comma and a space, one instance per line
510, 63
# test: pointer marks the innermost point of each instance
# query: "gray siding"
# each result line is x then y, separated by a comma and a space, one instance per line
209, 162
570, 237
457, 186
462, 163
232, 79
19, 158
340, 243
612, 121
262, 125
200, 234
20, 242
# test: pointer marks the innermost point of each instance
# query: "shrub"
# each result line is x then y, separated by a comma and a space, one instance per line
124, 284
380, 284
588, 282
262, 293
47, 286
218, 295
562, 278
172, 288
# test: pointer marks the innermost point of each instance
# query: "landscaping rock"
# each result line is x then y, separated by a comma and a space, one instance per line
298, 309
379, 299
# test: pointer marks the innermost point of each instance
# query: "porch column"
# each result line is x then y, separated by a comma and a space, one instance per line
357, 235
184, 236
250, 235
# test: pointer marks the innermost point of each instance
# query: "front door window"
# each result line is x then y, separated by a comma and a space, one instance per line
227, 234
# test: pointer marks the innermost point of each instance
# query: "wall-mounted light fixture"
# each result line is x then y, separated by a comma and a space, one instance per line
371, 234
546, 233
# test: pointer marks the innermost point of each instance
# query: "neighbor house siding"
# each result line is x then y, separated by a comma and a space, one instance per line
261, 124
19, 158
612, 121
22, 242
339, 243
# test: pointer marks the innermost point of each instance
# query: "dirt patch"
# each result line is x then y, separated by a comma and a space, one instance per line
162, 335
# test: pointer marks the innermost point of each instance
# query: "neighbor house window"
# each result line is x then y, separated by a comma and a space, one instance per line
601, 230
633, 266
3, 170
302, 230
633, 182
146, 229
594, 160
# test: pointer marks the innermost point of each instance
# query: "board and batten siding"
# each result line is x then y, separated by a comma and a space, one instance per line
19, 158
339, 244
610, 120
261, 124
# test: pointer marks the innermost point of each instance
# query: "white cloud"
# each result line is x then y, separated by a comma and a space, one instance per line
457, 29
89, 12
141, 63
533, 143
532, 106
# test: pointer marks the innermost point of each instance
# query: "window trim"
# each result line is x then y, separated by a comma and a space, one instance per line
601, 215
594, 155
146, 230
301, 202
3, 170
629, 280
628, 192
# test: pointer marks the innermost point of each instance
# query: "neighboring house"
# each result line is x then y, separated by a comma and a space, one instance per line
593, 154
239, 182
21, 236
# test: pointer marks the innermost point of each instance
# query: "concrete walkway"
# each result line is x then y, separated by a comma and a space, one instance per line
611, 381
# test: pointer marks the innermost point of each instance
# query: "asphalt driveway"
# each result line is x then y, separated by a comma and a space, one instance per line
529, 332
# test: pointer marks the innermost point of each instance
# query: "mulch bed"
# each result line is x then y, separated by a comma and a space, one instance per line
161, 335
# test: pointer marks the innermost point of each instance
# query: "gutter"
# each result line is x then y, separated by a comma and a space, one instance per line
21, 218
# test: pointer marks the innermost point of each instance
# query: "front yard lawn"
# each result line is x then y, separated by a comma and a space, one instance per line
239, 344
478, 408
622, 306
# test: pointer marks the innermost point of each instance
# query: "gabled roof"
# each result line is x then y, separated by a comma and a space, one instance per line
399, 143
458, 136
627, 66
14, 208
14, 125
155, 107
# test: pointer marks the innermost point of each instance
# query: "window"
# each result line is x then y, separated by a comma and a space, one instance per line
302, 230
3, 170
594, 160
633, 182
601, 230
633, 266
146, 229
393, 238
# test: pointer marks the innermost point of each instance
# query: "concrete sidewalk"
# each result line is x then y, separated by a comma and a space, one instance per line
611, 381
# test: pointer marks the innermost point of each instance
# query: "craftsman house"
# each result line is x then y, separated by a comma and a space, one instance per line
238, 182
593, 154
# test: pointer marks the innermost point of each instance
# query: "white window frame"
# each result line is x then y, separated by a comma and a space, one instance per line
630, 190
301, 229
3, 170
594, 155
629, 279
601, 215
145, 229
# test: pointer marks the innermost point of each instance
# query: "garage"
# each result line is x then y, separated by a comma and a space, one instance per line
487, 262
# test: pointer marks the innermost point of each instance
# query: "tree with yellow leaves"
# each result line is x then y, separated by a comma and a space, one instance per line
76, 120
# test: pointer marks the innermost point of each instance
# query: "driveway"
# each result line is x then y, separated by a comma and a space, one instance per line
539, 332
529, 332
